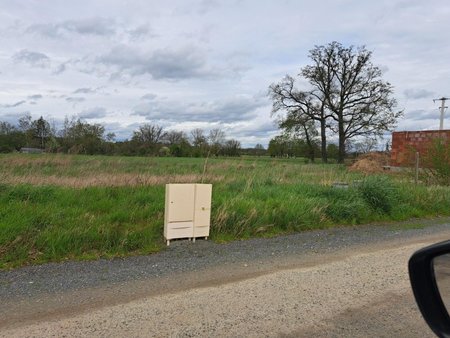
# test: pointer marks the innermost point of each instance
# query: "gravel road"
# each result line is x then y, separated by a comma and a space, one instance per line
341, 282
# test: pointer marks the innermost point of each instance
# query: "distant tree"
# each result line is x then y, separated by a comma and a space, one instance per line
41, 131
25, 122
149, 134
110, 137
333, 151
11, 138
80, 137
280, 146
148, 137
175, 137
259, 146
25, 127
231, 148
199, 142
6, 128
365, 145
216, 139
301, 127
259, 149
198, 137
178, 143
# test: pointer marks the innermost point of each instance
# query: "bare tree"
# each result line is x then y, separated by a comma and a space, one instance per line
346, 95
365, 145
231, 147
306, 107
150, 134
300, 126
359, 101
216, 140
175, 137
198, 137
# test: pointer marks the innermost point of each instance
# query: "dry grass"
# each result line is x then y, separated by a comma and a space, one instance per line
105, 180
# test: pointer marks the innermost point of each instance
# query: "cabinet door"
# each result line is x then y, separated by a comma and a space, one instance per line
180, 202
202, 215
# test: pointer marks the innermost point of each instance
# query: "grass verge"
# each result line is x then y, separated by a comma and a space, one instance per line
253, 197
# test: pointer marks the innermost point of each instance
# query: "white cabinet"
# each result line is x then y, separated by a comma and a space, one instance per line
187, 211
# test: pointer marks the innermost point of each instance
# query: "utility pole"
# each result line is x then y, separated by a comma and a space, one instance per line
442, 109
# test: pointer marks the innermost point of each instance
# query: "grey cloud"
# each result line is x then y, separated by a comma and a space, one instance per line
31, 58
35, 97
262, 130
148, 96
19, 103
139, 32
13, 117
75, 99
84, 91
93, 113
61, 69
418, 93
161, 64
421, 114
233, 109
90, 26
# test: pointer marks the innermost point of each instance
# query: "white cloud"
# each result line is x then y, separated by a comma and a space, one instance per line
204, 63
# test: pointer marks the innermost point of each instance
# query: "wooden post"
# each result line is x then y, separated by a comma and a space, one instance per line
417, 167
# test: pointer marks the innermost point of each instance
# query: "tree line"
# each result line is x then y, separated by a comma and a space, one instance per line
80, 137
344, 97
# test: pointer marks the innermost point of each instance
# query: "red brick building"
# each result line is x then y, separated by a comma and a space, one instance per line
406, 143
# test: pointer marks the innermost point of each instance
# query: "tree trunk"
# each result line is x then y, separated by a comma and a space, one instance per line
323, 137
341, 155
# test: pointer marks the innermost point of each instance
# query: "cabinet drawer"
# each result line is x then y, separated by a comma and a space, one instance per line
179, 230
201, 231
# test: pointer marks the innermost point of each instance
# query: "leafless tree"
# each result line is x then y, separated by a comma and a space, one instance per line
359, 101
347, 95
175, 137
307, 107
150, 134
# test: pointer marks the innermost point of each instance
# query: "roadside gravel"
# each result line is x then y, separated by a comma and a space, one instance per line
34, 297
184, 256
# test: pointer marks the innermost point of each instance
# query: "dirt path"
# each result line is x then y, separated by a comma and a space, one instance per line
355, 292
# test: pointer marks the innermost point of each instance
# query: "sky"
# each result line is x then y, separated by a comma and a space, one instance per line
207, 63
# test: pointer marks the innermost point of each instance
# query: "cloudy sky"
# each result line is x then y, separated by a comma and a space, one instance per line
206, 63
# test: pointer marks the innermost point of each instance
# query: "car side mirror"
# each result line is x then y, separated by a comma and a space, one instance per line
429, 272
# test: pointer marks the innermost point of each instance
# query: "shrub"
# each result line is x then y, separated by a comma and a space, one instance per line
437, 162
378, 192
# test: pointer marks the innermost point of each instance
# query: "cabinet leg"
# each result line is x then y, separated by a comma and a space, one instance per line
193, 239
168, 242
206, 238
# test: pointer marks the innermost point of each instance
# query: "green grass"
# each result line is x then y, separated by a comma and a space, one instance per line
55, 207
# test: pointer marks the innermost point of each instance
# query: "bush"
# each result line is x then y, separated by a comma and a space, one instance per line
379, 193
437, 163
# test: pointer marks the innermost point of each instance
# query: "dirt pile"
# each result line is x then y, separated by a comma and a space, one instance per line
371, 163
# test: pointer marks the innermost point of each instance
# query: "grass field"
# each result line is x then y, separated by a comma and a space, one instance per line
56, 207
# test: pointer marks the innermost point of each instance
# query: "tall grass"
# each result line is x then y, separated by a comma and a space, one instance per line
76, 207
